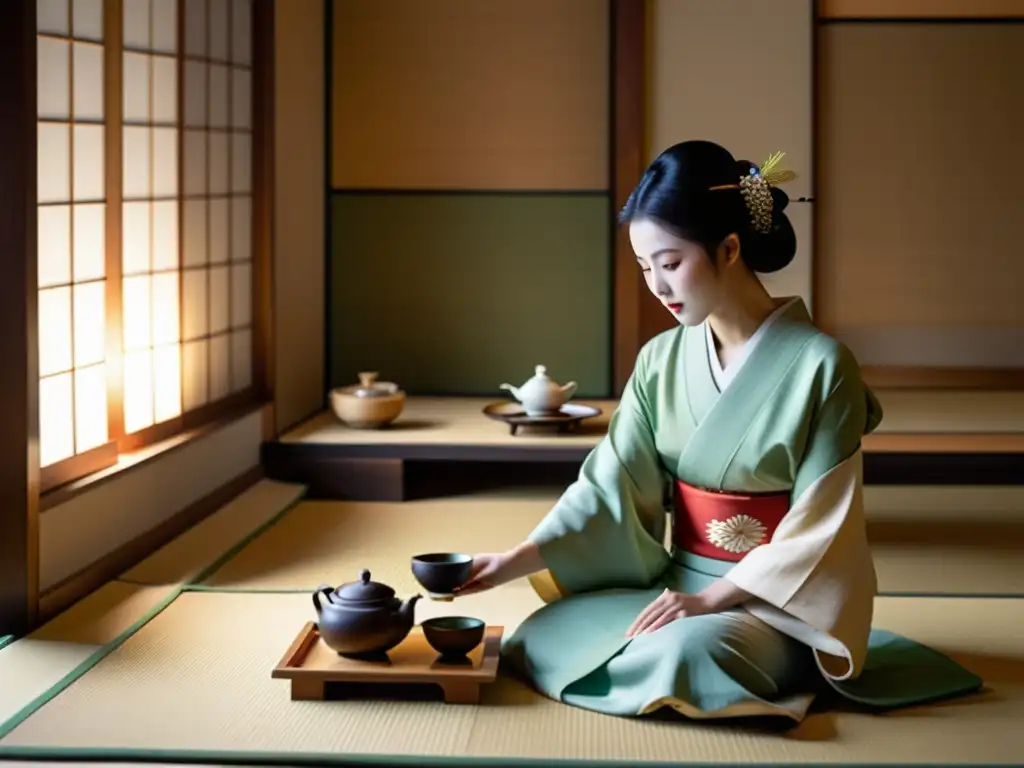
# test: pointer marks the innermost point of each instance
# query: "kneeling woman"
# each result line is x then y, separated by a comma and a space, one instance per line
745, 422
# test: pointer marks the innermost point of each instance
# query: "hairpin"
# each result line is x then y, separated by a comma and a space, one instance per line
756, 186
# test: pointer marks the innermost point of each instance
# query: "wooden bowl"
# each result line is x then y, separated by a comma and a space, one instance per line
453, 636
371, 404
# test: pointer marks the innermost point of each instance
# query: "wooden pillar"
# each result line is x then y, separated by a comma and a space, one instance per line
263, 65
19, 384
629, 19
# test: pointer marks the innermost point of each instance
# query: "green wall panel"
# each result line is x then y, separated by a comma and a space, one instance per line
457, 293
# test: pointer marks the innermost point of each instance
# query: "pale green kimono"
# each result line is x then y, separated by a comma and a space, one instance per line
791, 420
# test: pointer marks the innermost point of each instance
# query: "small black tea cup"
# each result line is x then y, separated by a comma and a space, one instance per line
440, 573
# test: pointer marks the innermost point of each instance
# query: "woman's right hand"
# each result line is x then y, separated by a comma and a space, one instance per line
487, 572
494, 569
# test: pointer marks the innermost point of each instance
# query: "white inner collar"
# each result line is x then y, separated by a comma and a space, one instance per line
723, 377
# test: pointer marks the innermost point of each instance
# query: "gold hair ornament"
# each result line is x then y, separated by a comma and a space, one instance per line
756, 190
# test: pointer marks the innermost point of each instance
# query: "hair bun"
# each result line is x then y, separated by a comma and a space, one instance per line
773, 250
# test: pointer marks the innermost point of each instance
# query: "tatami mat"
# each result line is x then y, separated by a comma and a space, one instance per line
184, 559
330, 542
321, 542
31, 665
104, 615
198, 674
954, 570
927, 411
28, 668
926, 505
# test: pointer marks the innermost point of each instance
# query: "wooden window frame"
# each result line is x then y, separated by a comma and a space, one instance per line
75, 468
19, 387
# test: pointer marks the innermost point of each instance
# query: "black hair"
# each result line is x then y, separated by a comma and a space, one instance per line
675, 191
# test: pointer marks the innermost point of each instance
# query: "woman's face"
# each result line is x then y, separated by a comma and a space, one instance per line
678, 272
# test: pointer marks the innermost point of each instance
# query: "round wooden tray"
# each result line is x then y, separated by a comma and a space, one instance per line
513, 414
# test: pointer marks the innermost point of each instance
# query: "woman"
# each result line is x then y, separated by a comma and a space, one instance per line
745, 424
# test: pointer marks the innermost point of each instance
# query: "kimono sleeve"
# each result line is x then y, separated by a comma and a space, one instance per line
815, 579
608, 527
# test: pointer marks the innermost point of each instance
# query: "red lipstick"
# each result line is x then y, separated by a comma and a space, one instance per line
674, 307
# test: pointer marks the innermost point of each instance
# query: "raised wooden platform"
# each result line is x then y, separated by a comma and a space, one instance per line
447, 445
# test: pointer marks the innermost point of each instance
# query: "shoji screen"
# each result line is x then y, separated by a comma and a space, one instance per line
921, 136
145, 197
73, 199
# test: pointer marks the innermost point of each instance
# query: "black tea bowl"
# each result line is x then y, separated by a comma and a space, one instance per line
453, 636
441, 572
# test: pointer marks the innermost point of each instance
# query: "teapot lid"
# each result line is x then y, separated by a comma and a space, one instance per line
364, 590
368, 386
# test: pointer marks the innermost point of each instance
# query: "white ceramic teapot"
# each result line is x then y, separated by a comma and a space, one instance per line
540, 396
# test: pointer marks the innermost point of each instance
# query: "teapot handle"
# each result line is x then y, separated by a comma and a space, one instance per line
325, 590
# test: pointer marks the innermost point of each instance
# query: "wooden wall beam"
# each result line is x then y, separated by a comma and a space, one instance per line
929, 10
628, 161
19, 386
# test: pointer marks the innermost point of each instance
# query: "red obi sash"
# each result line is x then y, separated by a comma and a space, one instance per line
724, 526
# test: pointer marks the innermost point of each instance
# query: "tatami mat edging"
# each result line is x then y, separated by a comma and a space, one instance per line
6, 640
335, 760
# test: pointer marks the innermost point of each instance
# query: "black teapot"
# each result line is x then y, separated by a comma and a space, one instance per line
363, 619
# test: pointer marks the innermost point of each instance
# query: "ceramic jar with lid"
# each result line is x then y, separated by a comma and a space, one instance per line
370, 404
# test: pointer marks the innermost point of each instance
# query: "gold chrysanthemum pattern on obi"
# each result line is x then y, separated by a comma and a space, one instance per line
736, 534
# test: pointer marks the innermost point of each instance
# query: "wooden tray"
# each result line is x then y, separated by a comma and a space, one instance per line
568, 416
310, 665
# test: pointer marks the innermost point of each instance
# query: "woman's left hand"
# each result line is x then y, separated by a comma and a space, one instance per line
668, 607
